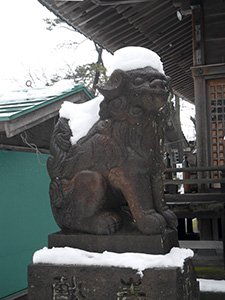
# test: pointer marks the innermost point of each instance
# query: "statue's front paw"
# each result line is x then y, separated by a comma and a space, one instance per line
151, 223
105, 223
170, 217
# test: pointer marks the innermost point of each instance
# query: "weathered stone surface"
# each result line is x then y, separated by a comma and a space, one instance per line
60, 282
131, 241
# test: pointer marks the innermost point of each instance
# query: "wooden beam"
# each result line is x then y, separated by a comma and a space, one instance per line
202, 210
206, 70
195, 197
198, 36
115, 2
194, 181
22, 149
218, 245
195, 169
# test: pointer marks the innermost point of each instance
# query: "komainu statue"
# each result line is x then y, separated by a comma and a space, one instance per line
113, 175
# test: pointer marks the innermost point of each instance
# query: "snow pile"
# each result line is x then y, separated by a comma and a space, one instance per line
81, 116
209, 285
130, 58
35, 93
137, 261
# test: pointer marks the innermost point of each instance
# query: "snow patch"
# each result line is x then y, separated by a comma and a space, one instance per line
209, 285
36, 93
187, 110
132, 57
81, 116
137, 261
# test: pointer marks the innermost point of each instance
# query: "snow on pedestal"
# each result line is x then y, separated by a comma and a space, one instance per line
67, 272
138, 261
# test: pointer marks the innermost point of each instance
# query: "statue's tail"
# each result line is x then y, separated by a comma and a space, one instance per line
59, 147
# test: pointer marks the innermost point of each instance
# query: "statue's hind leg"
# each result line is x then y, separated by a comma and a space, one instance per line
89, 192
138, 194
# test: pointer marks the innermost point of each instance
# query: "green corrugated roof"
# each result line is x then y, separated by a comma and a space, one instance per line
16, 108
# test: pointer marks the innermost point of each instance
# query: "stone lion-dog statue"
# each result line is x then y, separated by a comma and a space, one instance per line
113, 175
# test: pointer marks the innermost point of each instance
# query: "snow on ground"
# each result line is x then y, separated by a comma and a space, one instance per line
209, 285
81, 116
137, 261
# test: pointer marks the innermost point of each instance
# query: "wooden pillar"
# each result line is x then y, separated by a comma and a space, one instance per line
198, 35
202, 129
200, 87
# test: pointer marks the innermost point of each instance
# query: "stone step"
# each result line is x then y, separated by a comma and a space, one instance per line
212, 296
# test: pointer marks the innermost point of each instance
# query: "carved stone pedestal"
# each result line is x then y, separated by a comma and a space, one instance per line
122, 241
70, 282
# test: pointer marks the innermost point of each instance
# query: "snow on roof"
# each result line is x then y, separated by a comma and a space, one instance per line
137, 261
14, 104
8, 96
132, 57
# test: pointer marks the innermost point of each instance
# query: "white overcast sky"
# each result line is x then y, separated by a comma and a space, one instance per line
26, 45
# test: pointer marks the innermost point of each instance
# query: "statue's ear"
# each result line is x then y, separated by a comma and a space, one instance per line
114, 86
169, 83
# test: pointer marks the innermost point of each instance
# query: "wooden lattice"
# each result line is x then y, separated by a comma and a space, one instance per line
216, 90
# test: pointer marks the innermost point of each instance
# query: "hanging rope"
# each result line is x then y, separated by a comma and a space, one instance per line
34, 147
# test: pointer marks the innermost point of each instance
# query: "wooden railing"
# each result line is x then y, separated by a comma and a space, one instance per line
204, 177
206, 203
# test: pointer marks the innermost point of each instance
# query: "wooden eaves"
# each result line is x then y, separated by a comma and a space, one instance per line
153, 24
36, 117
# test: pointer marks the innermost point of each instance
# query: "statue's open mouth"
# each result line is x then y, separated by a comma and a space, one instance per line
147, 92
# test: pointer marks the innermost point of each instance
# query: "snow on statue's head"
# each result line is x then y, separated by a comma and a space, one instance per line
139, 77
133, 57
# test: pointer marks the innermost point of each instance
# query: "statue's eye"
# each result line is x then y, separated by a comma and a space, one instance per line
152, 79
138, 81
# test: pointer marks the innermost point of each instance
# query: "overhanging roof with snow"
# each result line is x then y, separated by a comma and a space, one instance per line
17, 115
153, 24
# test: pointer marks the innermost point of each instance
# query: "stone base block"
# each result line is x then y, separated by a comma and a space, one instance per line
69, 282
119, 243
